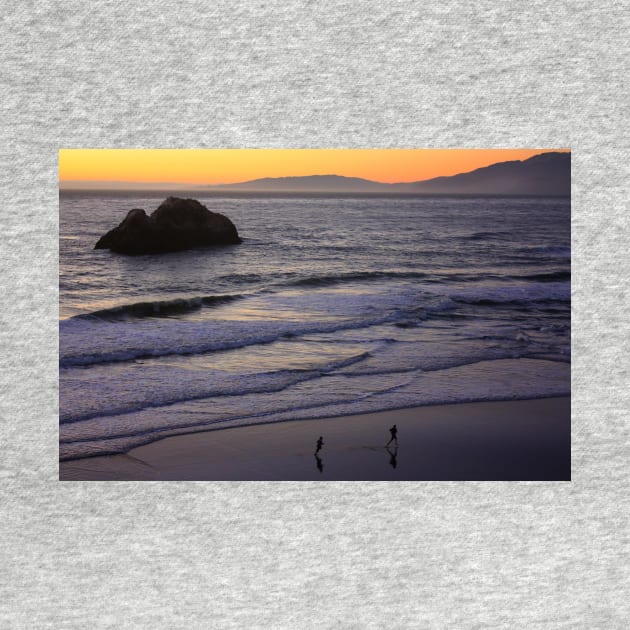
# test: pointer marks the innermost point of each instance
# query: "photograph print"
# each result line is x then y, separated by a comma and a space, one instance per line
315, 314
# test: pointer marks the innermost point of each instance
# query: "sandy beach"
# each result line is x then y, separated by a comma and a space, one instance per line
511, 440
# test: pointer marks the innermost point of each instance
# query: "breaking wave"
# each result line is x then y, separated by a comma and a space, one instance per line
158, 308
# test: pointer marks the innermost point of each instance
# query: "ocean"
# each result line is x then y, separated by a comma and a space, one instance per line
329, 307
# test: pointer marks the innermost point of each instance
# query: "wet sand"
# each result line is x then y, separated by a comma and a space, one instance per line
512, 440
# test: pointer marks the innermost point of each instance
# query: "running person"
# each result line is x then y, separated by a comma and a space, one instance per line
320, 443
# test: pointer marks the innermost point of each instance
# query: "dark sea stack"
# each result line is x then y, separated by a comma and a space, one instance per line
176, 225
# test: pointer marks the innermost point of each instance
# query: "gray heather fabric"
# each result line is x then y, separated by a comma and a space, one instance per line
303, 74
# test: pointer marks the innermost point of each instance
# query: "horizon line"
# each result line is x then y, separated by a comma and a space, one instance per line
153, 185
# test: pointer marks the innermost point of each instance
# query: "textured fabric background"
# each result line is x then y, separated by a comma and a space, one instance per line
313, 74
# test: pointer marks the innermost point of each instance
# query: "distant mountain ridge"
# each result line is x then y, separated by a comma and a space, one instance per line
545, 174
542, 174
310, 183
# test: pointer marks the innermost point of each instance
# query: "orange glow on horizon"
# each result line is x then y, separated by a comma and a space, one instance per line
227, 166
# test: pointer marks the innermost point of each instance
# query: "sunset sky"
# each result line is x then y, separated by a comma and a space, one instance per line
223, 166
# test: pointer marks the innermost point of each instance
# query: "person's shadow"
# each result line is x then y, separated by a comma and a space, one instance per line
320, 465
393, 457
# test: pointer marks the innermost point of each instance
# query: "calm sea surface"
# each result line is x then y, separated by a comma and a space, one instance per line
329, 307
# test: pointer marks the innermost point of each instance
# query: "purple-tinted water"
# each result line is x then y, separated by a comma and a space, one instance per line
329, 307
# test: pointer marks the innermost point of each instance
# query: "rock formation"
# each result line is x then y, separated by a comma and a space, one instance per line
177, 224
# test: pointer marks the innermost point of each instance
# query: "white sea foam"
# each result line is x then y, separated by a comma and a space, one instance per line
334, 306
491, 380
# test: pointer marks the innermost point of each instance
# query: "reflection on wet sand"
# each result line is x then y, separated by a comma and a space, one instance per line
320, 465
393, 456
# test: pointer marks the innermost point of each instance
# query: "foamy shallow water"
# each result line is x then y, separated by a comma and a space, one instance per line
317, 314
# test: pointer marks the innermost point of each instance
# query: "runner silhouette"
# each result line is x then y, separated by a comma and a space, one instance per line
320, 443
394, 438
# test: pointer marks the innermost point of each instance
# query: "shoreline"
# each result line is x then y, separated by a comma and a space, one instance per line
524, 440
